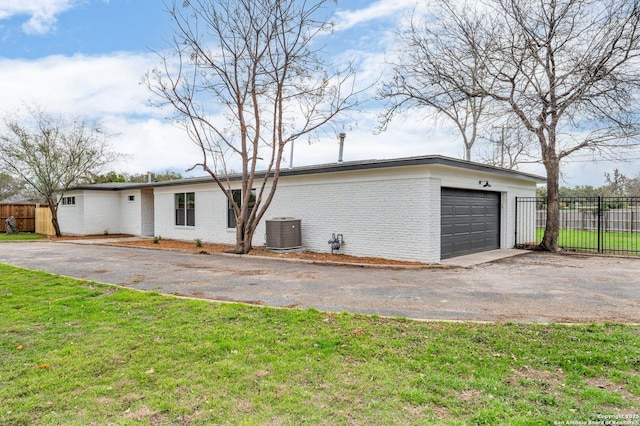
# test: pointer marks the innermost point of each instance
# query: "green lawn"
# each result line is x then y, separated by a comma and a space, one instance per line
76, 352
21, 236
588, 240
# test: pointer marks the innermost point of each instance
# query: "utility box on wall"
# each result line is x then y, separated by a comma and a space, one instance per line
284, 233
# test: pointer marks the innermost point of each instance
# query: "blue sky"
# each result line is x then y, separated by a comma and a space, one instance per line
87, 57
88, 27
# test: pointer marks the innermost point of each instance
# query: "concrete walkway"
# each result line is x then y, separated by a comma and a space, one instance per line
529, 287
483, 257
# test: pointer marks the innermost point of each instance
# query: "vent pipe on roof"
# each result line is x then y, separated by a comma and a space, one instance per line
291, 158
148, 177
341, 136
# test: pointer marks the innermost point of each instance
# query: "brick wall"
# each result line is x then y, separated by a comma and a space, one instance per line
71, 217
379, 214
387, 212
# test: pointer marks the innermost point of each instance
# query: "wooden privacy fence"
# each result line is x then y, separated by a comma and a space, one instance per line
43, 221
29, 217
25, 215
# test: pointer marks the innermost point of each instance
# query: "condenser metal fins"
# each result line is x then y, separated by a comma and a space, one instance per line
284, 233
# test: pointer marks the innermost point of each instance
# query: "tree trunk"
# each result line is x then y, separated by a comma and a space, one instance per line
248, 238
244, 236
53, 208
239, 248
243, 239
552, 227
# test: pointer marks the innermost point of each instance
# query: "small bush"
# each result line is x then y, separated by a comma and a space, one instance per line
198, 242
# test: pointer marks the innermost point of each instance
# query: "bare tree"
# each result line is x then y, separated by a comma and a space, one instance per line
616, 185
567, 69
633, 187
51, 154
245, 78
434, 61
509, 147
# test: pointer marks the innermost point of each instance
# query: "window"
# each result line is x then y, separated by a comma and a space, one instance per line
186, 209
237, 197
132, 197
68, 201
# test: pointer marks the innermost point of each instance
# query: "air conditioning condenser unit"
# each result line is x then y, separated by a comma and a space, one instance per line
284, 233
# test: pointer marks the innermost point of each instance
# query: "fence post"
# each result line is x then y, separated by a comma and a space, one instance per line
599, 224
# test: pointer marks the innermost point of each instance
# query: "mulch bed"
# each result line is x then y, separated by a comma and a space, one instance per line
167, 244
87, 237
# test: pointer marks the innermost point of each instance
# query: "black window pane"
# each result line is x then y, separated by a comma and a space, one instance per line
180, 217
236, 194
191, 217
180, 209
231, 219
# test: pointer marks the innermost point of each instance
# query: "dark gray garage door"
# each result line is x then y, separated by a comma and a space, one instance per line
470, 222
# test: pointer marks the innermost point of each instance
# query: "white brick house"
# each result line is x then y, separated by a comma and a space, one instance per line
419, 208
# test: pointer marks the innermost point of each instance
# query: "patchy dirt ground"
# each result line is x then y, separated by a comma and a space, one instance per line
167, 244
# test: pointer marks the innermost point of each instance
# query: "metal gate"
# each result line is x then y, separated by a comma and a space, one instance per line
590, 224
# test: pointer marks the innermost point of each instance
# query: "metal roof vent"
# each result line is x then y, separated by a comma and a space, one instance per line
284, 233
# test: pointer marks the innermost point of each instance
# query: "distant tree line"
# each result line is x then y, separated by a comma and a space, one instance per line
13, 189
113, 176
616, 185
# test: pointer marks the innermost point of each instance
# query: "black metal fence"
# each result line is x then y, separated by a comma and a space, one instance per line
591, 224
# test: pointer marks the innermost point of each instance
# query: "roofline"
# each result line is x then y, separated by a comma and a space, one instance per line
330, 168
112, 186
408, 161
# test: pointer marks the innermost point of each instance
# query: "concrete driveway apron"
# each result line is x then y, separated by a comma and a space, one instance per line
534, 287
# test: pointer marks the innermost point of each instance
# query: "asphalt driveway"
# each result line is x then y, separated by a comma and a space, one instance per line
533, 287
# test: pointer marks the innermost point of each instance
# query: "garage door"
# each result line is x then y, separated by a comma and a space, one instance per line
470, 222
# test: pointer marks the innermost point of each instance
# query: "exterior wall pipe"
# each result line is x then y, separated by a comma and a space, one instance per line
336, 242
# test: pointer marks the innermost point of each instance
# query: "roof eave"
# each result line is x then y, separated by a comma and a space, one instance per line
334, 168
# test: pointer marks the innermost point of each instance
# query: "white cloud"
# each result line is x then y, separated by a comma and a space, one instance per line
102, 88
42, 13
107, 88
151, 144
88, 85
346, 19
